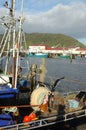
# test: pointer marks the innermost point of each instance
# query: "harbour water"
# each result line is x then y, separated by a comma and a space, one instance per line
74, 73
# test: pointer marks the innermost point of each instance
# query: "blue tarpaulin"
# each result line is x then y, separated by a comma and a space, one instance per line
6, 119
7, 92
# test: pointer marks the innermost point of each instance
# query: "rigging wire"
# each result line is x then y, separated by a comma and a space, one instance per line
76, 81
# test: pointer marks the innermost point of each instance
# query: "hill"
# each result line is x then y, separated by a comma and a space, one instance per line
58, 40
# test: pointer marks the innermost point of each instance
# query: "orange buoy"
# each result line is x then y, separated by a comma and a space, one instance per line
32, 116
27, 119
85, 103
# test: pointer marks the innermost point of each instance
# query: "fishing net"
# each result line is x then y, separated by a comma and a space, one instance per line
72, 104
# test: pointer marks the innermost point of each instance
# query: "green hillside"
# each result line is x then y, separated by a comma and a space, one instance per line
58, 40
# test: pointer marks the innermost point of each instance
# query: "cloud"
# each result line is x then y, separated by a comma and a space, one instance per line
49, 16
66, 19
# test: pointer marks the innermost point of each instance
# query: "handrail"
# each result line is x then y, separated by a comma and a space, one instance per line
47, 121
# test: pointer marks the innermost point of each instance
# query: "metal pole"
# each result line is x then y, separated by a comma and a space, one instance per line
19, 40
12, 8
14, 55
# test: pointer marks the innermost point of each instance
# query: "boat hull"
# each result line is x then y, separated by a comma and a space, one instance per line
38, 55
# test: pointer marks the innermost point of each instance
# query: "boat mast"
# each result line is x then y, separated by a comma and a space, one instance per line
19, 41
14, 53
12, 8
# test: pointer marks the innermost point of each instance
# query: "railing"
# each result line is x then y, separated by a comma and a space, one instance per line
47, 121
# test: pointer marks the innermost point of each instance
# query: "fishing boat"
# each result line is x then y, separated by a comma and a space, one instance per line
44, 106
64, 55
51, 107
14, 85
12, 70
38, 55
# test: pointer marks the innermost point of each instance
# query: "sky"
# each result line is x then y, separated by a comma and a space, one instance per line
52, 16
